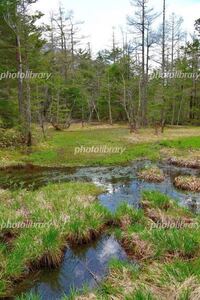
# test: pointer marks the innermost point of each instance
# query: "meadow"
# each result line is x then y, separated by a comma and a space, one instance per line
37, 226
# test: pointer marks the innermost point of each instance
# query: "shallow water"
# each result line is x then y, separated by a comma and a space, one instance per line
130, 190
82, 266
121, 182
88, 264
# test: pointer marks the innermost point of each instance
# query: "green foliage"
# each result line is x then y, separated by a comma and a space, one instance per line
135, 216
30, 296
10, 138
157, 199
141, 295
57, 213
183, 143
184, 243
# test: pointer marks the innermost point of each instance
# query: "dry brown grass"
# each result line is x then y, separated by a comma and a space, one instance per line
149, 280
188, 183
148, 135
152, 175
86, 297
157, 216
187, 163
136, 247
143, 135
92, 126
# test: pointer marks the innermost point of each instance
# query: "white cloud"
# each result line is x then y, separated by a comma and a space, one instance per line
101, 16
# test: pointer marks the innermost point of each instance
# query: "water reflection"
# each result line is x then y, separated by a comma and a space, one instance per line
81, 266
121, 182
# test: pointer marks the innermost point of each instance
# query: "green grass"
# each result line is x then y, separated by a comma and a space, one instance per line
176, 242
59, 148
173, 241
174, 260
172, 276
79, 217
140, 295
157, 200
68, 211
28, 297
133, 216
169, 207
180, 270
183, 143
172, 270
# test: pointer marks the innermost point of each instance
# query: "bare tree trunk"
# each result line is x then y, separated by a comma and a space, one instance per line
114, 46
180, 108
124, 100
143, 81
58, 107
173, 111
109, 102
42, 111
97, 113
82, 115
28, 113
172, 44
163, 37
20, 79
147, 65
27, 104
163, 65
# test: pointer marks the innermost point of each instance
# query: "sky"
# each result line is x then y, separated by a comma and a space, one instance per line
100, 16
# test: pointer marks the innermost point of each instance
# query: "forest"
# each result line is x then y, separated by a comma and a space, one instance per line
99, 151
149, 78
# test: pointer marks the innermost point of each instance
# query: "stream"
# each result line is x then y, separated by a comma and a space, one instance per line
122, 185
